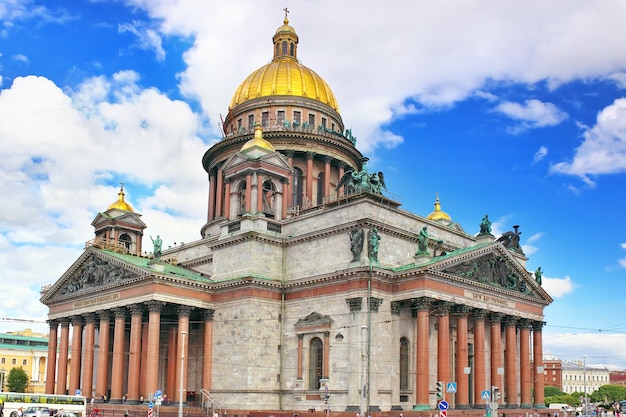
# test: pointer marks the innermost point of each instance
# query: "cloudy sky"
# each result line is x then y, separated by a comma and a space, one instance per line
515, 109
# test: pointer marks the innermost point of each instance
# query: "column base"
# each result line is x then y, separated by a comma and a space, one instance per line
421, 407
462, 407
542, 405
511, 406
526, 406
115, 401
479, 406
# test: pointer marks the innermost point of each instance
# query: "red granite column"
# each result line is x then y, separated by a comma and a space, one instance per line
211, 203
259, 193
480, 378
300, 346
90, 332
207, 364
510, 362
462, 357
524, 361
327, 161
443, 342
218, 193
497, 369
102, 378
51, 364
77, 350
183, 349
152, 363
172, 359
134, 358
227, 202
309, 176
539, 400
248, 193
63, 351
326, 362
342, 166
422, 307
289, 191
117, 373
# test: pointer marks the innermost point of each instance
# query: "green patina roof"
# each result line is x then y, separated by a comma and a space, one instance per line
446, 256
168, 269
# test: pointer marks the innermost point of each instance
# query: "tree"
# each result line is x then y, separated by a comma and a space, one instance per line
549, 391
562, 399
17, 381
609, 393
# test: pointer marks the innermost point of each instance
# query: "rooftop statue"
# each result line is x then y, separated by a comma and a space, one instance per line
485, 226
158, 244
362, 181
510, 240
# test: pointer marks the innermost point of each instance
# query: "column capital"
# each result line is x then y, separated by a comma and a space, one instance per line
538, 325
395, 307
119, 312
461, 309
421, 304
76, 320
495, 318
479, 314
136, 310
443, 308
328, 159
208, 314
375, 303
310, 155
355, 304
524, 323
90, 318
53, 324
510, 321
65, 322
289, 153
184, 311
105, 315
155, 306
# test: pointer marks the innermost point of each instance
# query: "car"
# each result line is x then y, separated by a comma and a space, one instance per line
32, 411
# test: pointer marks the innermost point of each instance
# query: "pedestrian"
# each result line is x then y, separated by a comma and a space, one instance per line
126, 412
20, 412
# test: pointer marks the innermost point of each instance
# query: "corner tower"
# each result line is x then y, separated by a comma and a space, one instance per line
299, 116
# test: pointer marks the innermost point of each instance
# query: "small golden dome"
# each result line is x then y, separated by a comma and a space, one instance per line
285, 75
438, 214
258, 141
120, 204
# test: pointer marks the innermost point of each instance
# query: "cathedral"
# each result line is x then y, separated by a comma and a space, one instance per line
309, 287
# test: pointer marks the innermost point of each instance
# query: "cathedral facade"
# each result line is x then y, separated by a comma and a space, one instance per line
310, 287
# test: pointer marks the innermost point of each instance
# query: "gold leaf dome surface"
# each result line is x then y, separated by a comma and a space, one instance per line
438, 214
284, 75
120, 204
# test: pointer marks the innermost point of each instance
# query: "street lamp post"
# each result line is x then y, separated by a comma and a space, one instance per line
2, 371
182, 372
585, 381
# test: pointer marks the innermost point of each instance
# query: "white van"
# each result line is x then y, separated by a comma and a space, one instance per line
561, 407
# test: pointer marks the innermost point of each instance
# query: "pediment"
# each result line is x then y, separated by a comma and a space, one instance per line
118, 216
274, 159
492, 266
92, 271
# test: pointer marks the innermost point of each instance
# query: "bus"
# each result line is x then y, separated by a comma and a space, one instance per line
68, 403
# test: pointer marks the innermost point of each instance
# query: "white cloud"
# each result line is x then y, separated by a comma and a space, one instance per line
603, 150
147, 38
532, 114
540, 154
598, 349
557, 287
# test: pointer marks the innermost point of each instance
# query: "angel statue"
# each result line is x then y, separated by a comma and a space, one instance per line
360, 181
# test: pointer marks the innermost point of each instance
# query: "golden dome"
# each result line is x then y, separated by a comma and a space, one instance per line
285, 75
120, 204
258, 141
438, 214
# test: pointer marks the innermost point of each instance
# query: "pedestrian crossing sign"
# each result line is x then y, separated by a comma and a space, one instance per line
485, 395
451, 387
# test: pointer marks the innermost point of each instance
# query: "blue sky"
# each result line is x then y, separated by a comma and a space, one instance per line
515, 109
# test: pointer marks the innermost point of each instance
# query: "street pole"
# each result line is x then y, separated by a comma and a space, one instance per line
585, 381
363, 368
182, 372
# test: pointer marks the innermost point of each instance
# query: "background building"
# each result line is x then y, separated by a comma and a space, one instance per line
27, 350
580, 378
553, 373
310, 287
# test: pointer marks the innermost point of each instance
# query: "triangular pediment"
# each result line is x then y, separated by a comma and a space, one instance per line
275, 161
492, 266
118, 216
92, 271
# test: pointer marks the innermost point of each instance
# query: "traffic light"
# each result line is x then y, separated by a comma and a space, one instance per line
439, 390
495, 394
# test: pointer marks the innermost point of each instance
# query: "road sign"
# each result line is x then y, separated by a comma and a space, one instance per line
150, 405
485, 395
494, 405
158, 394
443, 413
451, 387
443, 405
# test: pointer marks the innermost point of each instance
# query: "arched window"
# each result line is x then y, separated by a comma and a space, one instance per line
241, 198
269, 198
316, 362
404, 363
292, 49
284, 48
297, 187
126, 240
320, 188
277, 50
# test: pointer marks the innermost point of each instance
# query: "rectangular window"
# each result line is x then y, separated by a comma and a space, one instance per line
13, 361
250, 121
332, 127
239, 123
280, 116
312, 120
3, 361
324, 122
265, 119
24, 362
